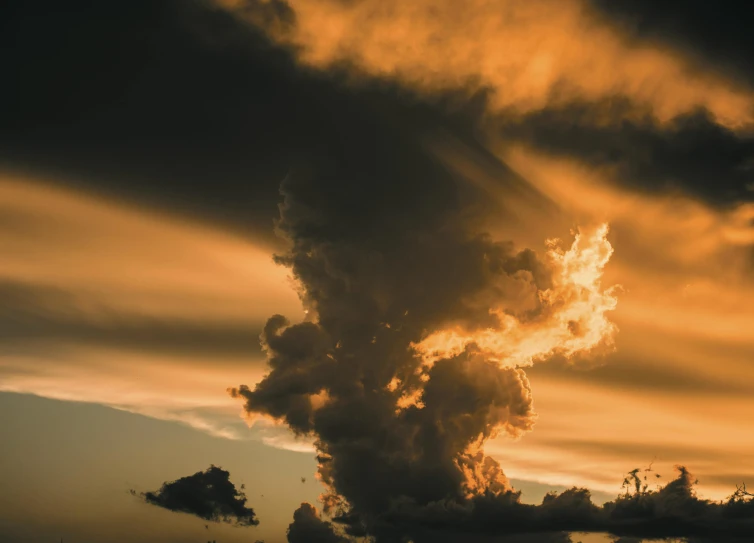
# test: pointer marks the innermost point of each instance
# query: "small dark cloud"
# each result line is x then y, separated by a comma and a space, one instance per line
209, 495
308, 527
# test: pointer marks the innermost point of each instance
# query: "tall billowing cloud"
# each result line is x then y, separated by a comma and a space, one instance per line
388, 259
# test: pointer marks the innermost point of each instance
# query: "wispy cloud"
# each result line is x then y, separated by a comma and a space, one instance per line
110, 304
529, 54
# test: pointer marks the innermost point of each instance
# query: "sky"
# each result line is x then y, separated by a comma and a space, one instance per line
399, 269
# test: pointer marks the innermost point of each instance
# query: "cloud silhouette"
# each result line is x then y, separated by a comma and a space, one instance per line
672, 511
391, 256
209, 495
308, 527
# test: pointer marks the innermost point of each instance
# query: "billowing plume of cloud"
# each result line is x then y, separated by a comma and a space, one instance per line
209, 495
531, 54
383, 263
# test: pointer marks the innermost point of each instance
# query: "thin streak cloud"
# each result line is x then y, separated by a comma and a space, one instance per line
142, 312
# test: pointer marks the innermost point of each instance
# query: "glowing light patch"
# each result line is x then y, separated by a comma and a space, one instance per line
574, 319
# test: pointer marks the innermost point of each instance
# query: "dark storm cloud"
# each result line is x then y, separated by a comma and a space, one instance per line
173, 102
692, 153
180, 102
676, 511
386, 246
208, 494
386, 250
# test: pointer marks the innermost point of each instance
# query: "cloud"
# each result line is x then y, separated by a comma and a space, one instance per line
108, 303
690, 154
687, 285
681, 260
575, 305
718, 37
308, 527
530, 55
156, 128
386, 258
208, 495
672, 511
387, 253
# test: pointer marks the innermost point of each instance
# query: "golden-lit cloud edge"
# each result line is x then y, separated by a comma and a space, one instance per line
530, 55
684, 311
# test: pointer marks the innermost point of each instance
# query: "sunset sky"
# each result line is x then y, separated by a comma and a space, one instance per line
512, 241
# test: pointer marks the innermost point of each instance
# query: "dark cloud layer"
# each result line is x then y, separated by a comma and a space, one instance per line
175, 103
31, 314
209, 495
718, 33
178, 102
691, 154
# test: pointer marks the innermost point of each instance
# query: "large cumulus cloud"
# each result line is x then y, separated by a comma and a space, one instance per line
388, 248
383, 255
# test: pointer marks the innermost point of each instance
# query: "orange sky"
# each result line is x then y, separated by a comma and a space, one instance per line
531, 53
115, 305
150, 313
676, 387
